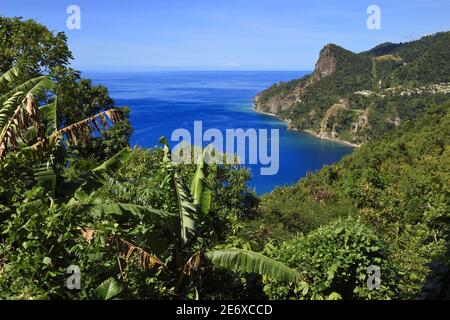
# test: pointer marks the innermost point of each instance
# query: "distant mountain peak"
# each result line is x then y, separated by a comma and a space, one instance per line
329, 58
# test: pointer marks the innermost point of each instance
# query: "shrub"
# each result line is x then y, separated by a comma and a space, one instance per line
334, 260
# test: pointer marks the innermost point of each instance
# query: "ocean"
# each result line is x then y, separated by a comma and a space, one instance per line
161, 102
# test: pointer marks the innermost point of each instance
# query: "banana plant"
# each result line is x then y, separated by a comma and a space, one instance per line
23, 122
194, 205
201, 194
19, 112
187, 210
47, 174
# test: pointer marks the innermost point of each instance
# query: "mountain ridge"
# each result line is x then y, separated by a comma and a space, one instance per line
339, 74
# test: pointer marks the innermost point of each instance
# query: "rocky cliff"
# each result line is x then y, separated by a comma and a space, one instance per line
327, 62
288, 94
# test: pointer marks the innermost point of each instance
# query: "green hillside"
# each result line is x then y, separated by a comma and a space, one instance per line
77, 201
398, 185
389, 74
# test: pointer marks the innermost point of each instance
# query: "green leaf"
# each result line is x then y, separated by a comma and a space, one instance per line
7, 111
115, 162
334, 296
199, 190
249, 261
187, 210
47, 261
332, 271
9, 76
49, 113
46, 177
108, 289
81, 195
205, 202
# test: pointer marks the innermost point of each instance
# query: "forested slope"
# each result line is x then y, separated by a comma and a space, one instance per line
341, 99
398, 186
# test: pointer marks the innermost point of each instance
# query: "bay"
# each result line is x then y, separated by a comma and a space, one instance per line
161, 102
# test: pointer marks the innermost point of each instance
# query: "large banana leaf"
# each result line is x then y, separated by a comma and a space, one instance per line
117, 208
8, 108
33, 86
199, 190
46, 177
9, 76
50, 118
249, 261
99, 176
13, 120
186, 209
158, 240
115, 162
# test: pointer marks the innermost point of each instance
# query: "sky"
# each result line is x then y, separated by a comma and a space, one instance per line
144, 35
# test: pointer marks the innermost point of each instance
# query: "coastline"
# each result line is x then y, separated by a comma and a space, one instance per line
354, 145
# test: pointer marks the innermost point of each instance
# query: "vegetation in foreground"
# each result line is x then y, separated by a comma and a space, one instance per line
140, 227
397, 186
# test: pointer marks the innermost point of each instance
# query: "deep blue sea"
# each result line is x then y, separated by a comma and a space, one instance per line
161, 102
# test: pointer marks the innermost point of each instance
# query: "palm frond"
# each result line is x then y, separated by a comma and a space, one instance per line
84, 129
186, 209
9, 76
249, 261
9, 112
199, 189
46, 177
34, 86
50, 116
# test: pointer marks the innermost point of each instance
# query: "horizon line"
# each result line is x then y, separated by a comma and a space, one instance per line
188, 70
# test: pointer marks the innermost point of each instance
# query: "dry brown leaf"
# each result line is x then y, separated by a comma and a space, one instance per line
84, 129
88, 234
103, 120
30, 105
145, 259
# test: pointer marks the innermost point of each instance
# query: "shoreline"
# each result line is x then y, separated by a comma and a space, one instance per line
350, 144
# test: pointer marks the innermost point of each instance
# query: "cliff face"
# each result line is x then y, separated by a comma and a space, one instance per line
368, 82
326, 64
275, 103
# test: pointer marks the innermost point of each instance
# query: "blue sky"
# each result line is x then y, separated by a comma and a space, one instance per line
226, 34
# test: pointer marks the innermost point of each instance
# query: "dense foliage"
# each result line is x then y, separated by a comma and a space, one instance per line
334, 259
398, 185
75, 200
140, 233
